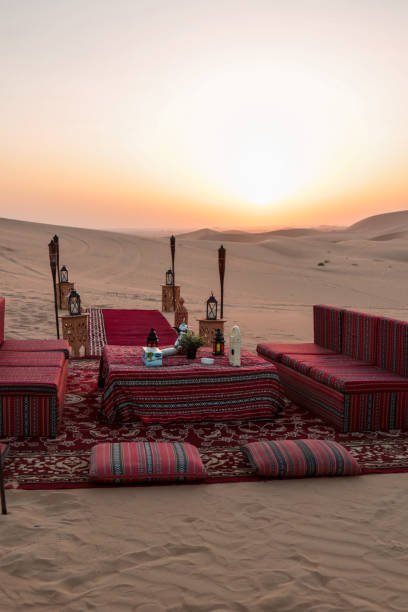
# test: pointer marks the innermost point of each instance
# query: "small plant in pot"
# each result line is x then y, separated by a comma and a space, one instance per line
190, 343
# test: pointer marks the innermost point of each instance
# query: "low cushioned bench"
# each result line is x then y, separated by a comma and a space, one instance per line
355, 373
33, 375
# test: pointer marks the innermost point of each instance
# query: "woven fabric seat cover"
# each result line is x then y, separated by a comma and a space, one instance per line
118, 462
327, 326
29, 376
301, 458
360, 335
305, 363
392, 351
31, 358
358, 380
275, 351
32, 344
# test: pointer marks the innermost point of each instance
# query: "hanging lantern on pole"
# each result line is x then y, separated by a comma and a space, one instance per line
212, 306
74, 303
218, 343
169, 278
63, 275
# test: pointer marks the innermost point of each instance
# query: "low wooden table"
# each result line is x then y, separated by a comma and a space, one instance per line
187, 390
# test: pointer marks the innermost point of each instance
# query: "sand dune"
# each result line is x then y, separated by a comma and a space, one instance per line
241, 236
386, 222
307, 545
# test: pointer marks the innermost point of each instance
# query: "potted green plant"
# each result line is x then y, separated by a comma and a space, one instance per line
190, 343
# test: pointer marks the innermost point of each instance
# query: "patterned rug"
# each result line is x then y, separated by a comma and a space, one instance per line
64, 462
126, 327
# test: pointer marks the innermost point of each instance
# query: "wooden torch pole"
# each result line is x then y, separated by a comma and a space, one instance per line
56, 242
52, 251
173, 252
221, 269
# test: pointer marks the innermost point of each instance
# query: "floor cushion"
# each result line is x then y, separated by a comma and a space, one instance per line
118, 462
301, 458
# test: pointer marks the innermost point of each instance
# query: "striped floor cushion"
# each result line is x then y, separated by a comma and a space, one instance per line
275, 351
301, 458
125, 462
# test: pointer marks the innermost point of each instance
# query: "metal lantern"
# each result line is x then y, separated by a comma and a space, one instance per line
212, 305
63, 275
74, 303
169, 277
152, 339
218, 343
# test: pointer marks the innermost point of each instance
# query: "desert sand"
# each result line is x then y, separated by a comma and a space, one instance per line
317, 544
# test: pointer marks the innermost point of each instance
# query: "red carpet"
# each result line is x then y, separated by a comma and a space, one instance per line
64, 462
126, 328
131, 327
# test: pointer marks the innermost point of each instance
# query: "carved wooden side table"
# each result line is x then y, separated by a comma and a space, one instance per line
207, 327
63, 291
75, 330
167, 297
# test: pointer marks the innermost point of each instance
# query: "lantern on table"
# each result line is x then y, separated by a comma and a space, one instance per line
74, 303
169, 278
152, 339
64, 275
212, 308
218, 343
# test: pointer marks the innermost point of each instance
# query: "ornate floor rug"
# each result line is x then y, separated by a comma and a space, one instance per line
126, 327
64, 461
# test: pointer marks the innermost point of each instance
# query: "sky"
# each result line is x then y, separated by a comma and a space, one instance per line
204, 113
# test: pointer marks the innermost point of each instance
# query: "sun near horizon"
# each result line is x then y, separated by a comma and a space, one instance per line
233, 114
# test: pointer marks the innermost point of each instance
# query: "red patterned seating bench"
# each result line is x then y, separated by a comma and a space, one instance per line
354, 375
32, 384
187, 390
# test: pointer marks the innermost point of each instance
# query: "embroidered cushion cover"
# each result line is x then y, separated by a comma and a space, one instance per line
118, 462
301, 458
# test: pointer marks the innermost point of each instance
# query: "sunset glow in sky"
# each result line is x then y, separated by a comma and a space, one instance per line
182, 114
